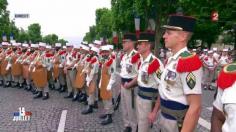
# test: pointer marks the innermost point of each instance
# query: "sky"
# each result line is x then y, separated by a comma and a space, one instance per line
69, 19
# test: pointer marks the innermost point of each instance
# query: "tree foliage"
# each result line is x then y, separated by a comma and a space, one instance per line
124, 11
34, 31
50, 39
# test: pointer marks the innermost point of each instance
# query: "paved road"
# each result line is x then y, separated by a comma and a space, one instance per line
46, 114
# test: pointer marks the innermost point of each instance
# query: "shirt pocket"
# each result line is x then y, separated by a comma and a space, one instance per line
128, 67
171, 77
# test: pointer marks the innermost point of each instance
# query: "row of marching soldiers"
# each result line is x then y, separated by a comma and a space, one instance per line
27, 66
213, 62
76, 69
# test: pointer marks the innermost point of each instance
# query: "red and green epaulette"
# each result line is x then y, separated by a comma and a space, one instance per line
48, 55
227, 76
109, 62
74, 54
28, 53
135, 58
9, 52
62, 52
153, 66
93, 60
19, 52
113, 56
188, 62
88, 59
79, 56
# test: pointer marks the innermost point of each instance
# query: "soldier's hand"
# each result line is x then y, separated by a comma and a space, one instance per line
152, 117
126, 85
88, 83
65, 70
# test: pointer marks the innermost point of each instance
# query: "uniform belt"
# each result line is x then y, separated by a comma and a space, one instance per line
69, 69
148, 93
124, 80
174, 111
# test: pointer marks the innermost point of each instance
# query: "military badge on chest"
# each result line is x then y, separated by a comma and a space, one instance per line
144, 77
129, 68
191, 80
170, 77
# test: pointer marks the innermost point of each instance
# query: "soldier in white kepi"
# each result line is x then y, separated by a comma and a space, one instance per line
129, 71
39, 72
49, 65
106, 84
91, 79
180, 91
68, 70
224, 111
16, 70
58, 64
216, 56
210, 64
81, 68
223, 59
97, 43
6, 64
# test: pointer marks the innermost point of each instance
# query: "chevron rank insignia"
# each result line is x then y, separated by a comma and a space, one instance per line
191, 80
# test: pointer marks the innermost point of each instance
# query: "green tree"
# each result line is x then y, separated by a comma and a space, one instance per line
91, 35
124, 11
4, 19
50, 39
34, 32
104, 22
62, 41
207, 30
23, 36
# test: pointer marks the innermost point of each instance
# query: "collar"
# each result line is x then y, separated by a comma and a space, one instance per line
130, 54
147, 59
176, 55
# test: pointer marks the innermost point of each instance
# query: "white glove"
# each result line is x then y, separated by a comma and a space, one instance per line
34, 69
60, 65
75, 65
100, 83
108, 87
8, 66
48, 68
87, 78
87, 83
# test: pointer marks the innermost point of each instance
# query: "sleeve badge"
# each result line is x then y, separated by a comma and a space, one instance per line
191, 80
